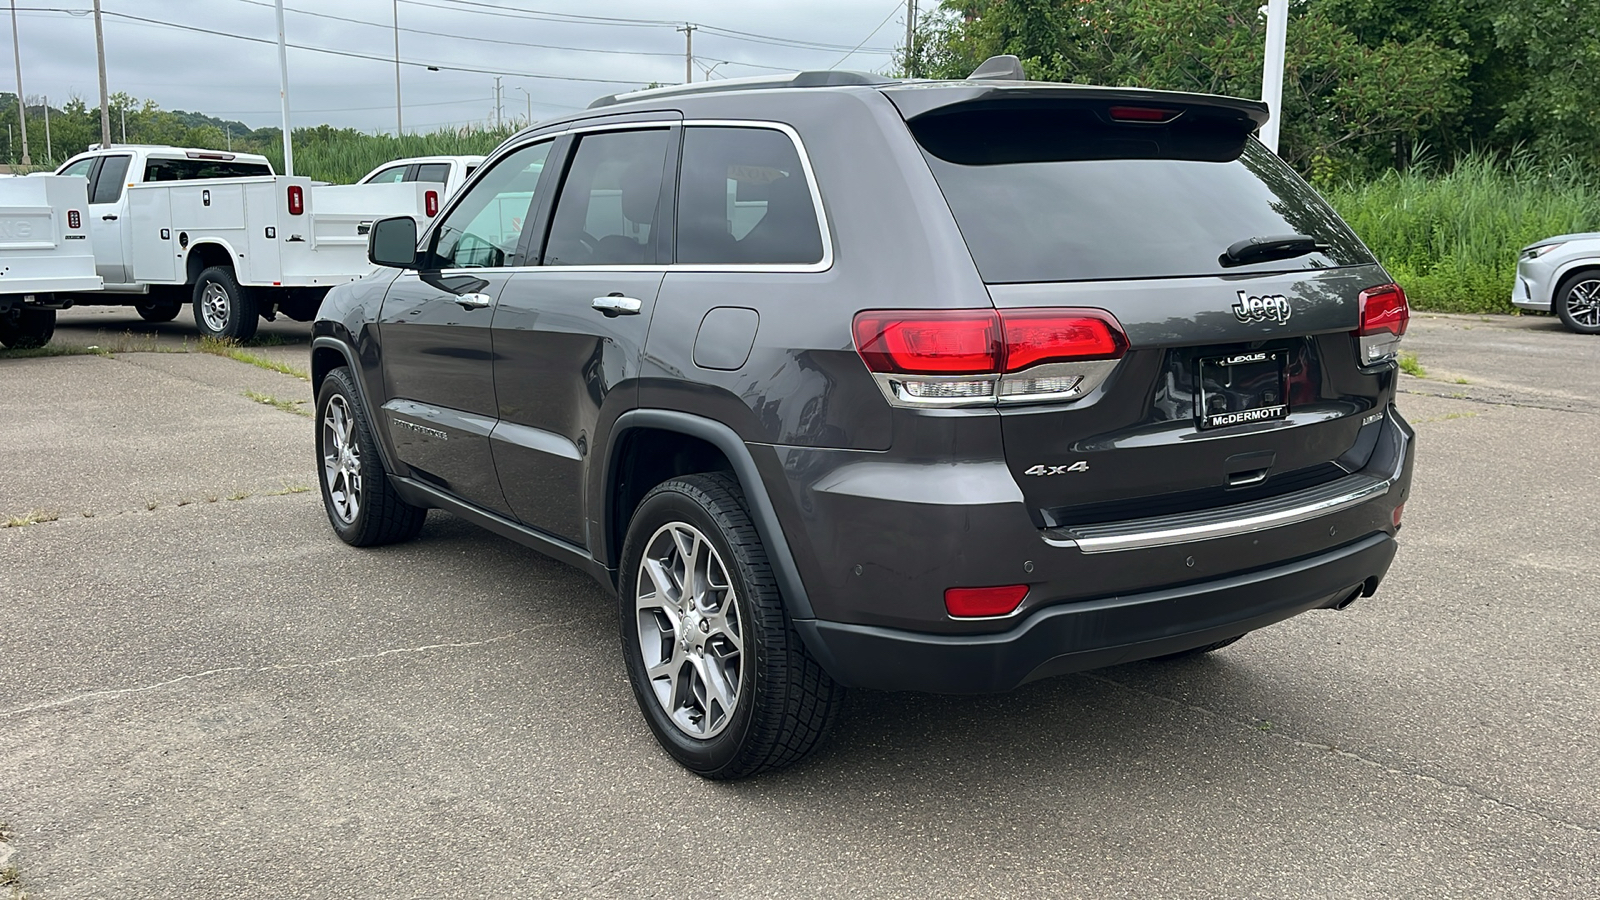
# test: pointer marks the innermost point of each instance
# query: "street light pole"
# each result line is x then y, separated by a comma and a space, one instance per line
283, 94
105, 98
1272, 71
22, 105
399, 125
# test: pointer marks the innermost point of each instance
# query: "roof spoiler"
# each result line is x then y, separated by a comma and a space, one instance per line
999, 68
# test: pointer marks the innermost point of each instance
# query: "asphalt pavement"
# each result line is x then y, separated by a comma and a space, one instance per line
203, 693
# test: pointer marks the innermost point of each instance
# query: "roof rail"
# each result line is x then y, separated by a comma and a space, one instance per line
827, 78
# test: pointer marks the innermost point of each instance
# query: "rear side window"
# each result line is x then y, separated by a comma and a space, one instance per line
108, 183
436, 172
743, 199
192, 169
1060, 194
607, 208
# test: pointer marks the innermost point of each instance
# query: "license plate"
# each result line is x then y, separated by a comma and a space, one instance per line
1243, 388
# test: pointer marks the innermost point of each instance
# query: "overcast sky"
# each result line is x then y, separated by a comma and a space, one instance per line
151, 57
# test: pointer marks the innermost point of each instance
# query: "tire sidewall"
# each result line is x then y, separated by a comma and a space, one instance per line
1564, 292
338, 383
240, 324
27, 328
669, 503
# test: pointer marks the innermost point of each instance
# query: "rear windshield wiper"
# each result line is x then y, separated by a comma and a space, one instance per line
1261, 249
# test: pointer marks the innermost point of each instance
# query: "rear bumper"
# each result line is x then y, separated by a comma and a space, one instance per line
1090, 634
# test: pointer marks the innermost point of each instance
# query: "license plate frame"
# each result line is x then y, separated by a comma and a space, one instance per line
1241, 389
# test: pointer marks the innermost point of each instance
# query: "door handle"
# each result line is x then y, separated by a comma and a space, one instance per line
614, 305
474, 301
108, 218
364, 227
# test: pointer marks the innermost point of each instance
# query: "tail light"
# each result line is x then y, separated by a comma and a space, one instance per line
74, 219
297, 200
984, 602
977, 357
1142, 114
430, 203
1384, 317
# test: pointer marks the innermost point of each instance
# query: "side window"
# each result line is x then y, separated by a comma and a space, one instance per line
80, 168
743, 199
482, 231
607, 208
436, 172
108, 184
391, 175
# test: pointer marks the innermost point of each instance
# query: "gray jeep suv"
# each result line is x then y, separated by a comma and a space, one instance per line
843, 381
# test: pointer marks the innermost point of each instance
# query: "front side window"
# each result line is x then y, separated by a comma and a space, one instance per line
80, 168
391, 175
482, 231
608, 206
108, 184
743, 199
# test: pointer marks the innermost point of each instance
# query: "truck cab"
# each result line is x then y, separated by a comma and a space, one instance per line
450, 171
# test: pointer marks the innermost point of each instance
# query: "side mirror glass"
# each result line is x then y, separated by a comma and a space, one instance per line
393, 243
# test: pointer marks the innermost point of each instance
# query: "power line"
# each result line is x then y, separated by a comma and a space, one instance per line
885, 21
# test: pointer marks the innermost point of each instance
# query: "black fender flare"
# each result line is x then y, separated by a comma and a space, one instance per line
762, 513
325, 341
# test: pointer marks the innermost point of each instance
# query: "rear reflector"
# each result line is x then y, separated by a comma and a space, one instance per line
1142, 114
1399, 511
297, 200
430, 203
981, 602
74, 219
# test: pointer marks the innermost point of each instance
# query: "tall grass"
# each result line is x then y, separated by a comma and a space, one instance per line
1451, 237
343, 156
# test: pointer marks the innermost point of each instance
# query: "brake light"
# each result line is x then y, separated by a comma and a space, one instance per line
297, 200
970, 357
1384, 316
74, 219
1142, 114
972, 603
430, 203
208, 154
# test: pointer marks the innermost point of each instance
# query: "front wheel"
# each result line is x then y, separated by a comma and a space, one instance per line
722, 678
223, 309
27, 327
362, 505
1578, 303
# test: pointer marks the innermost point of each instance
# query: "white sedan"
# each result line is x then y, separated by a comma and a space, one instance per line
1562, 275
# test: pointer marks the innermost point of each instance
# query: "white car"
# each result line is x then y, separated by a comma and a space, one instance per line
450, 171
1562, 275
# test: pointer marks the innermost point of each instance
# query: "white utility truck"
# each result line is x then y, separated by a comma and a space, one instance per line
45, 254
221, 232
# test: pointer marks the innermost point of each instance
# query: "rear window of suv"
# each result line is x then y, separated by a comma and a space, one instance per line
1061, 194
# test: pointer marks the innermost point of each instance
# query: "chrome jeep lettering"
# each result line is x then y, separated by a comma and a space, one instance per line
1266, 308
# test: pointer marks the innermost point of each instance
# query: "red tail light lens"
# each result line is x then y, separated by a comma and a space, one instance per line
1384, 308
430, 203
972, 603
297, 200
946, 342
74, 219
1036, 336
1142, 114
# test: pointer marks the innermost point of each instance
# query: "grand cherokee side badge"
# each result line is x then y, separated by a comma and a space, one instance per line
1266, 308
1081, 465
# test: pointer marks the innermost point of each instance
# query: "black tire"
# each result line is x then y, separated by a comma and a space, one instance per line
1577, 302
223, 309
785, 703
159, 310
27, 327
1201, 650
378, 515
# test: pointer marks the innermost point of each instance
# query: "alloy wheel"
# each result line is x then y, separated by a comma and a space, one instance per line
341, 459
1583, 303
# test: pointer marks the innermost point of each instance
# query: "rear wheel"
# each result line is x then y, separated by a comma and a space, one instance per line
1578, 302
223, 309
362, 505
27, 327
720, 674
160, 310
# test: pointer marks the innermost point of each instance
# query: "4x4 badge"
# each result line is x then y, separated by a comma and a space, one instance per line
1266, 308
1081, 465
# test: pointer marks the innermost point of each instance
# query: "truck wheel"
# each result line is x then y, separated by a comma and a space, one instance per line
223, 309
1578, 302
160, 310
720, 674
362, 505
27, 327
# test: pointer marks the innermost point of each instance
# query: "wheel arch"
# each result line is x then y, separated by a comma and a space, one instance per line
649, 446
210, 253
1588, 264
329, 353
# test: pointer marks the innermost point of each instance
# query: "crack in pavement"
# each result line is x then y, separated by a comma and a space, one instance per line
1467, 397
1256, 725
257, 670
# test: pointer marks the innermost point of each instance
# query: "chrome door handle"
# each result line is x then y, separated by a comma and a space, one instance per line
474, 301
614, 305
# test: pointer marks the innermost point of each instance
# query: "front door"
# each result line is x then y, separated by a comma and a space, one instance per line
434, 329
568, 334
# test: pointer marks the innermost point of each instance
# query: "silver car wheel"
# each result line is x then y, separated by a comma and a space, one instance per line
690, 634
1583, 303
341, 459
214, 306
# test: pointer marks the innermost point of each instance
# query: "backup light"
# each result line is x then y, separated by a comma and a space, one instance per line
984, 602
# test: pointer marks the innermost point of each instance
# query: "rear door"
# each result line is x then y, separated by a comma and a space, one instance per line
434, 328
108, 214
568, 334
1241, 379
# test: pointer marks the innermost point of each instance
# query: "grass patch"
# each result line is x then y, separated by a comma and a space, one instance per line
235, 351
53, 350
288, 406
1460, 380
287, 489
238, 495
1410, 366
32, 517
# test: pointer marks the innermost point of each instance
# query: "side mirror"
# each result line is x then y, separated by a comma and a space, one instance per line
393, 243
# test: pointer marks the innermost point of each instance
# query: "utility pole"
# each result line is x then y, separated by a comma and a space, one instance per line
911, 38
49, 152
22, 105
1272, 71
124, 111
105, 101
283, 94
688, 52
530, 103
399, 125
499, 108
